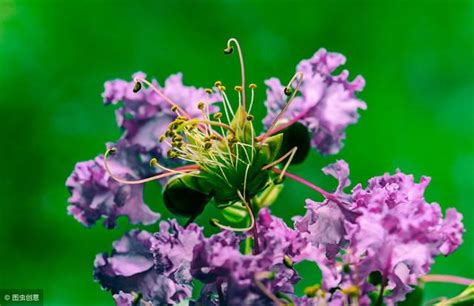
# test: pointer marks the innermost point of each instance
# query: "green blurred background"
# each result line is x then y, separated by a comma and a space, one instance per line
417, 59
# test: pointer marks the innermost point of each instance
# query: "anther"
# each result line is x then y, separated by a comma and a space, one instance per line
214, 222
174, 108
137, 87
221, 88
177, 138
162, 138
153, 162
288, 91
172, 154
217, 115
351, 290
278, 181
252, 86
113, 150
311, 291
201, 105
177, 144
207, 145
208, 91
218, 83
238, 88
250, 117
288, 262
228, 50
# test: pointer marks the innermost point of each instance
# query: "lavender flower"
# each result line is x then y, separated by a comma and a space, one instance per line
218, 262
398, 233
95, 195
154, 266
327, 104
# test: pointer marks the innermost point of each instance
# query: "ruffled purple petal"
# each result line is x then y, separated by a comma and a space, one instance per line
95, 195
327, 104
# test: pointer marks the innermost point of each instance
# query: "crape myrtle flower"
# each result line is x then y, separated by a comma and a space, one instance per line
95, 195
327, 104
154, 267
398, 233
388, 229
251, 279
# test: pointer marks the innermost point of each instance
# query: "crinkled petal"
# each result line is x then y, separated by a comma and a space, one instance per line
95, 195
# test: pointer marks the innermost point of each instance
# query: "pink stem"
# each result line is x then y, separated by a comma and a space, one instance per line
282, 127
447, 279
326, 194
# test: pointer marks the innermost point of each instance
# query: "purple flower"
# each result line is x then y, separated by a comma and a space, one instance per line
323, 223
94, 194
145, 115
398, 233
218, 262
130, 267
172, 249
327, 104
154, 266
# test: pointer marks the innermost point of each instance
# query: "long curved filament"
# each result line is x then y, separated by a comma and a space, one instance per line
284, 126
326, 194
242, 67
149, 179
448, 279
290, 153
283, 111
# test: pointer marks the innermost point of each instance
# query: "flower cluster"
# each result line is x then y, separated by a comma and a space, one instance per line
373, 245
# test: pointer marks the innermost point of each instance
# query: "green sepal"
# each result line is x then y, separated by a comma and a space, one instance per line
271, 147
243, 128
184, 196
235, 212
268, 196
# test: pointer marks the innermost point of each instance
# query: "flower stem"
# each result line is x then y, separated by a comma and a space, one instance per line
447, 279
326, 194
256, 244
382, 288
